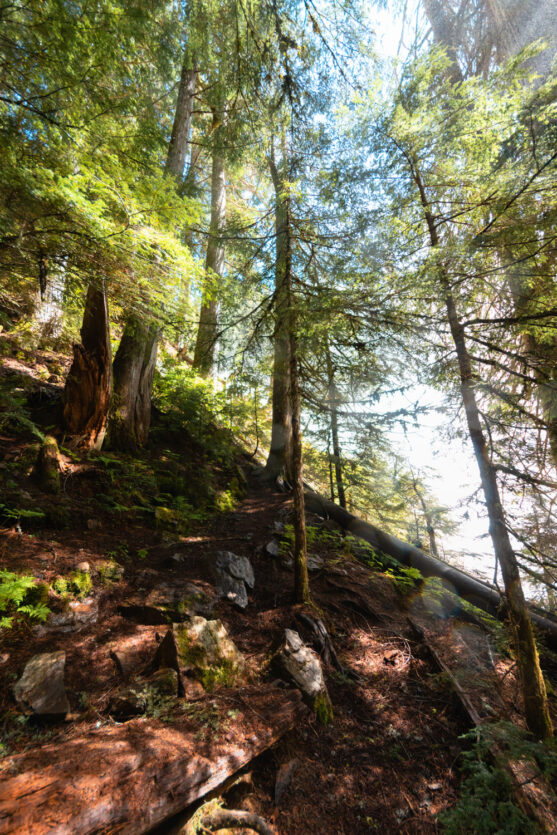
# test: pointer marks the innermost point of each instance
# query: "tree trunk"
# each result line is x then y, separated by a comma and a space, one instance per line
533, 685
134, 367
86, 398
178, 147
443, 25
204, 355
279, 461
301, 579
333, 403
135, 360
428, 520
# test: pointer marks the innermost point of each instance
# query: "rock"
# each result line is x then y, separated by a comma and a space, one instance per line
233, 574
79, 613
40, 689
273, 548
84, 567
302, 664
167, 603
284, 778
201, 648
315, 563
110, 571
48, 465
278, 526
85, 612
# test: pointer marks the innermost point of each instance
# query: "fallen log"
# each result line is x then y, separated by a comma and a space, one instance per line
481, 594
131, 777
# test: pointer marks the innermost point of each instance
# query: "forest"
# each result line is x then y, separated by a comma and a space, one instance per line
278, 416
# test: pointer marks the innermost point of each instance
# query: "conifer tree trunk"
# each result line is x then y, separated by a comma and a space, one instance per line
135, 360
333, 402
204, 355
181, 129
87, 392
301, 579
532, 682
279, 461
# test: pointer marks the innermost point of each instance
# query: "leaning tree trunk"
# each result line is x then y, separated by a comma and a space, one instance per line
135, 360
279, 461
134, 367
532, 682
86, 398
204, 355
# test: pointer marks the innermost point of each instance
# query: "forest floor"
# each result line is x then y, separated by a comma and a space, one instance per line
389, 761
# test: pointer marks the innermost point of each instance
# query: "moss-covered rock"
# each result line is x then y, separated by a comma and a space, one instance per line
205, 650
48, 465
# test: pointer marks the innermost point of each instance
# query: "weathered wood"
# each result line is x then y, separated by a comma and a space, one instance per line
89, 383
132, 777
227, 819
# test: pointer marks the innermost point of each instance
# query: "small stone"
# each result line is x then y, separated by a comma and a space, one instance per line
40, 689
273, 548
84, 567
435, 787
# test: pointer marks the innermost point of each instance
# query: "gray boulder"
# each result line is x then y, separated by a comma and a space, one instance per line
233, 574
40, 689
302, 665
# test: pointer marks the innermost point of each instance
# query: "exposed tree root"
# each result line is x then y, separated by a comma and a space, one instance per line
214, 821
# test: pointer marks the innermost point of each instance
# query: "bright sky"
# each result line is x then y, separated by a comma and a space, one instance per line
447, 467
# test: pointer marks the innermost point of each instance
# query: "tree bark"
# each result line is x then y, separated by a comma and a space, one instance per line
204, 355
86, 398
178, 147
136, 358
279, 461
133, 369
333, 403
533, 685
301, 579
443, 24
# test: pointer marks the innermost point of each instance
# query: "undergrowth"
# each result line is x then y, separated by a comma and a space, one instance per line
487, 805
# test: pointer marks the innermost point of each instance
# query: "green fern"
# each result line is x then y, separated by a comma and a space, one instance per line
14, 599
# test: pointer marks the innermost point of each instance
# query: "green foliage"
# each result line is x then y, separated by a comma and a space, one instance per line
21, 513
486, 805
14, 411
15, 599
405, 579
